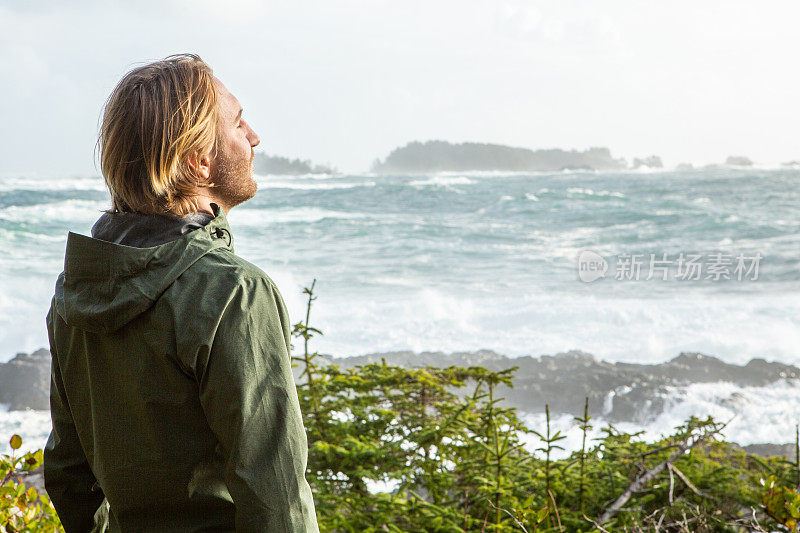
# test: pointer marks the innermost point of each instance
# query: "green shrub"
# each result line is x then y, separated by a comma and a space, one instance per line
458, 463
455, 461
21, 508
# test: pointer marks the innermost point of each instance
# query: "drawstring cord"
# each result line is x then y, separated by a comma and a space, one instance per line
220, 232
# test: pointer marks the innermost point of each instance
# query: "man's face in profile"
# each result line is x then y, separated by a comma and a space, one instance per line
231, 168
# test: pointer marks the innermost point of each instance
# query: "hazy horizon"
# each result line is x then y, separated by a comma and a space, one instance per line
343, 83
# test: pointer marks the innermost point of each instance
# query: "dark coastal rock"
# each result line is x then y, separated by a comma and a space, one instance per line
620, 392
787, 451
33, 478
25, 381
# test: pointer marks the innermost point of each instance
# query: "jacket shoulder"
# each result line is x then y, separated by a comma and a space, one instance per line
222, 268
221, 284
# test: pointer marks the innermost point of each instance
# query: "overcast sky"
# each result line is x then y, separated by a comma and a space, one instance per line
345, 81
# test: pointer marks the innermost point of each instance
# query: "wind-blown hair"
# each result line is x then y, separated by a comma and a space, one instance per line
154, 119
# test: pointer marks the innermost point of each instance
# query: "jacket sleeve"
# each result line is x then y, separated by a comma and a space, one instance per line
248, 395
68, 480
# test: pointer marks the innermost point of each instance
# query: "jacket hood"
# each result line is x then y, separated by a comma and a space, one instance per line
117, 274
142, 231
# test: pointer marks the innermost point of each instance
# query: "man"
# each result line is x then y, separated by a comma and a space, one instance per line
172, 398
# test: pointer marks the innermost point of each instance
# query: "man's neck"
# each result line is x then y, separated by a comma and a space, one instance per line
204, 202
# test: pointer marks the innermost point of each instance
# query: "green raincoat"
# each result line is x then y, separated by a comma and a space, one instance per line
172, 397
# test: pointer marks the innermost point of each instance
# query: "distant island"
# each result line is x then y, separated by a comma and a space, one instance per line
738, 161
436, 156
267, 164
733, 161
442, 156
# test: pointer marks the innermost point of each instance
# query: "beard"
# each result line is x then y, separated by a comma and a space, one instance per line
232, 181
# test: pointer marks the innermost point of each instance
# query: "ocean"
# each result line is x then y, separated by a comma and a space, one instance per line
466, 261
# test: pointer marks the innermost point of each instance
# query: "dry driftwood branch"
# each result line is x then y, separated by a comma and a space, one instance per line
649, 475
660, 520
641, 481
671, 484
597, 525
673, 468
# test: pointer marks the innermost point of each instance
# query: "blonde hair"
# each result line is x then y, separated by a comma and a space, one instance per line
155, 118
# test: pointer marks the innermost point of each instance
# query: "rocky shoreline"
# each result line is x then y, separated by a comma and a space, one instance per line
617, 392
620, 392
25, 381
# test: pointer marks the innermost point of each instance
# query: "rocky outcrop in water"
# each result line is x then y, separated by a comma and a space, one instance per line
25, 381
786, 451
620, 392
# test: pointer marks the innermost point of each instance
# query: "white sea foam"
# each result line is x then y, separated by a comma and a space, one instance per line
18, 236
395, 281
66, 211
442, 181
642, 329
32, 426
263, 217
269, 183
496, 173
755, 415
422, 310
322, 176
16, 183
590, 192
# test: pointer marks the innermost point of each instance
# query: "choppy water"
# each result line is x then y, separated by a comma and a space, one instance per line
479, 260
467, 261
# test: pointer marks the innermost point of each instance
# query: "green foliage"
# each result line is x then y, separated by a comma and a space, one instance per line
23, 508
451, 459
781, 503
583, 423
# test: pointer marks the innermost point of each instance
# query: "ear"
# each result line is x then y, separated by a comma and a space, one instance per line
200, 165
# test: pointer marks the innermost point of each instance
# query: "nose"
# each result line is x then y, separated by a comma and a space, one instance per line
253, 137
